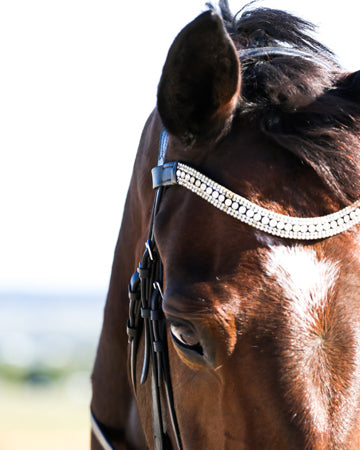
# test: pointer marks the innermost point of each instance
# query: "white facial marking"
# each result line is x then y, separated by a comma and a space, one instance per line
307, 283
305, 280
316, 333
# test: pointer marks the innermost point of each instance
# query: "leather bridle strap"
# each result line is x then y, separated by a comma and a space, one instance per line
98, 433
281, 225
145, 315
293, 52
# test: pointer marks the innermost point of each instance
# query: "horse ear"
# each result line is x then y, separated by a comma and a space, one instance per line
200, 83
349, 86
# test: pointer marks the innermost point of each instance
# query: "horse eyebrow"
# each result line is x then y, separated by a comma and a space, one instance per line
194, 306
208, 302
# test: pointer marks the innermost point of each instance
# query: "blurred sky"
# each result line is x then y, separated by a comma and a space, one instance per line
77, 82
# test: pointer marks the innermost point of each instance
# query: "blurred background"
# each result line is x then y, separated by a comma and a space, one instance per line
77, 82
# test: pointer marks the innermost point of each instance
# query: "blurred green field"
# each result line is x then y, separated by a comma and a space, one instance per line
50, 417
47, 348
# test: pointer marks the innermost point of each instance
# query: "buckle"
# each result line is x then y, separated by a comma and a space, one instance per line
164, 175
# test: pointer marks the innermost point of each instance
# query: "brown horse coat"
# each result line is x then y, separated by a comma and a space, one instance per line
265, 344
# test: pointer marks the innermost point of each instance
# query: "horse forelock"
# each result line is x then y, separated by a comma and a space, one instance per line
318, 344
310, 110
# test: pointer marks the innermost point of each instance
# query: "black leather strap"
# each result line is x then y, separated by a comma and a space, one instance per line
164, 175
163, 143
145, 315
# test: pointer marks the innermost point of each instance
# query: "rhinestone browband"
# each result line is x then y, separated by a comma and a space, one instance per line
261, 218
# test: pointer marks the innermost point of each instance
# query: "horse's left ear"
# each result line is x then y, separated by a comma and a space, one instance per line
200, 84
349, 86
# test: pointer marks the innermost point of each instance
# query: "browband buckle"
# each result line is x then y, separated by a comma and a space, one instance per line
164, 175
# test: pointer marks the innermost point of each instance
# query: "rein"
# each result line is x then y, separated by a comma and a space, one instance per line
145, 287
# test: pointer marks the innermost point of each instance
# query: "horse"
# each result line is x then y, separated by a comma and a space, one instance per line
240, 327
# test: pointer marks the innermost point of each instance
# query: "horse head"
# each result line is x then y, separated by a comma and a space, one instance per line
262, 332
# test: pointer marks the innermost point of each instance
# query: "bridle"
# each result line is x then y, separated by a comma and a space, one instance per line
145, 287
145, 313
145, 303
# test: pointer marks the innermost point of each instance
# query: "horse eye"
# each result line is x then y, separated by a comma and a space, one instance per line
185, 336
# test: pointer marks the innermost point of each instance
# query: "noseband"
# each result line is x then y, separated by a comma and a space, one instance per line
145, 288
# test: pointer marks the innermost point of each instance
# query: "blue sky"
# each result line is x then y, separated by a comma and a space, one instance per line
78, 81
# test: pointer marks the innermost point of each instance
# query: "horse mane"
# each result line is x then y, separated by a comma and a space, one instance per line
310, 107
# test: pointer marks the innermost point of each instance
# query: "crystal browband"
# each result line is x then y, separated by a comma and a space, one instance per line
299, 228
